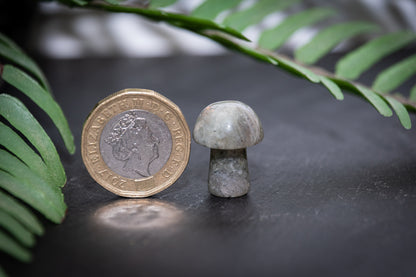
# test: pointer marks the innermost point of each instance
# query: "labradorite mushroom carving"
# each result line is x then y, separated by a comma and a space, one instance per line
228, 128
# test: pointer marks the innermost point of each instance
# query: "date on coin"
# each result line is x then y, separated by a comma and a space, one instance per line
135, 143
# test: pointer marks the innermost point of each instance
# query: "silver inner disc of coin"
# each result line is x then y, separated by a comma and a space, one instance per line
135, 144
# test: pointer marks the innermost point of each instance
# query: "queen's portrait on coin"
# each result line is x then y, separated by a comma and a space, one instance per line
133, 142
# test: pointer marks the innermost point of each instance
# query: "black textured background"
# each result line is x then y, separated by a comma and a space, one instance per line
333, 182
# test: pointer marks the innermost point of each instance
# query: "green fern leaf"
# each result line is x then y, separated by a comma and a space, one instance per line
322, 43
375, 100
20, 181
274, 38
332, 87
113, 2
412, 96
30, 194
400, 111
210, 9
80, 2
44, 100
355, 63
16, 229
9, 246
9, 43
258, 11
18, 57
296, 69
395, 75
21, 213
72, 3
154, 4
17, 114
10, 140
2, 273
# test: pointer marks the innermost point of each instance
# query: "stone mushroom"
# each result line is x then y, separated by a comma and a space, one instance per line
228, 128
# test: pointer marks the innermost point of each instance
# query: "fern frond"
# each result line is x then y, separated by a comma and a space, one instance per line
27, 176
350, 67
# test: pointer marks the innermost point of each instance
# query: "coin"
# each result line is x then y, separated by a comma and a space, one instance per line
135, 143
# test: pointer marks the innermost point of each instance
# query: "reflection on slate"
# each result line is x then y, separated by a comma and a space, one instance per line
139, 214
333, 183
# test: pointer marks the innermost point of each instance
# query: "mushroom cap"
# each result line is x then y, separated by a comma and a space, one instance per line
228, 125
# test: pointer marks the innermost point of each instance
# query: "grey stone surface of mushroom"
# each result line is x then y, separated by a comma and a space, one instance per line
228, 128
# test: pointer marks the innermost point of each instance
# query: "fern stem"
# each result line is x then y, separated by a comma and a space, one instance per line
229, 44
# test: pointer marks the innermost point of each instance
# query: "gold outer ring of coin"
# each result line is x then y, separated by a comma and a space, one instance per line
126, 100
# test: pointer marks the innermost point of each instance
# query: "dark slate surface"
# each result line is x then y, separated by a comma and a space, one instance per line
333, 183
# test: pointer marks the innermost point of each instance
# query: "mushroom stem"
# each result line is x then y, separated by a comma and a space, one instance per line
228, 173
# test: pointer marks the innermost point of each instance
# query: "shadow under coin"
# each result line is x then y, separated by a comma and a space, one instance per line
139, 214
